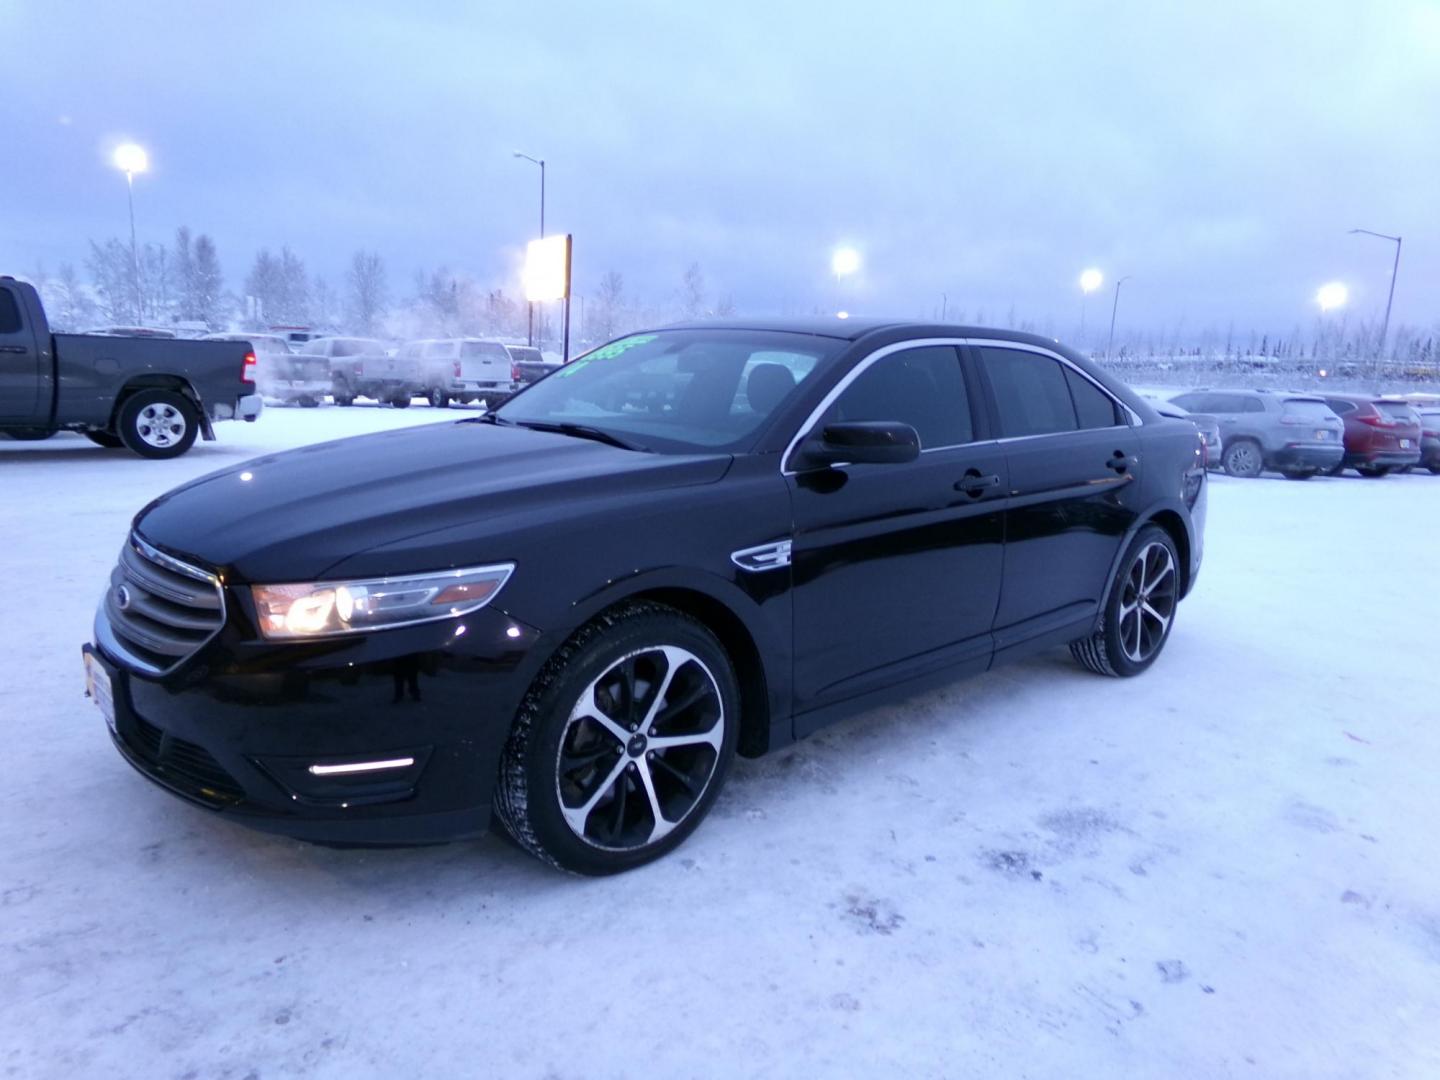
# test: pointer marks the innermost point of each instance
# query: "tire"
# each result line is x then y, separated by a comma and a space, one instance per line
1372, 472
401, 401
1336, 471
341, 393
623, 800
1243, 458
157, 424
1298, 474
1129, 639
438, 398
105, 439
309, 403
1434, 470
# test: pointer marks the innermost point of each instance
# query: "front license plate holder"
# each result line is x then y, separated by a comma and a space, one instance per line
98, 687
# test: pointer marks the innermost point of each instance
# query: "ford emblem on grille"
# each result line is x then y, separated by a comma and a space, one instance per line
122, 598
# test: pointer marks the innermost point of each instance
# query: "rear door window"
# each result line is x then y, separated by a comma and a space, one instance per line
1031, 392
922, 387
1093, 407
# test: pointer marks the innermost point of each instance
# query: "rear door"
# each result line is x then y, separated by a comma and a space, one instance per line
1074, 467
24, 377
897, 567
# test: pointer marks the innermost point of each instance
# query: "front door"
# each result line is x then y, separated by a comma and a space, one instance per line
21, 378
896, 568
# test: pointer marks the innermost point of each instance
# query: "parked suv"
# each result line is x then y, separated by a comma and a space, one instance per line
1380, 435
1207, 425
460, 369
1293, 434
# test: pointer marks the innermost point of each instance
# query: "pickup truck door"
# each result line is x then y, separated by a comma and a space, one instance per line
24, 372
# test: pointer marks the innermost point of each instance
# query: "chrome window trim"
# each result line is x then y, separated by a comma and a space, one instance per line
921, 343
849, 377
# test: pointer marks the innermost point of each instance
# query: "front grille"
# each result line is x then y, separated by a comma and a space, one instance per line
182, 765
160, 608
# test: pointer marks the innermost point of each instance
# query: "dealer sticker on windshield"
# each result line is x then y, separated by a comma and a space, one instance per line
97, 688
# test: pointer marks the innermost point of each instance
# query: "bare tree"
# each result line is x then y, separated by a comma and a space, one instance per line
725, 307
208, 283
692, 292
292, 300
367, 291
262, 286
112, 272
324, 305
184, 270
609, 300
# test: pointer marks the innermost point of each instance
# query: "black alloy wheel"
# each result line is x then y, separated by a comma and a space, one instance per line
1140, 610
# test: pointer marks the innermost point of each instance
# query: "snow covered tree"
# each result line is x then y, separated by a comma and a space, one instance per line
609, 301
207, 283
112, 273
184, 270
292, 299
67, 302
262, 285
692, 292
366, 292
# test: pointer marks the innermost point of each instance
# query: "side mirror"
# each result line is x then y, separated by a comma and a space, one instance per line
860, 442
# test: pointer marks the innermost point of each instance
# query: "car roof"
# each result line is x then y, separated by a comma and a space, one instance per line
856, 327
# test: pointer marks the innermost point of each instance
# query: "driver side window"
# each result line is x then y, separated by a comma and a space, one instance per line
922, 387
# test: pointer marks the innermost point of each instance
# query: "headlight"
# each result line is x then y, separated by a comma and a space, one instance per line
325, 608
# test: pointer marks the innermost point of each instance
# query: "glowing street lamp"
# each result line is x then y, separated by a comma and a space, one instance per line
1332, 295
844, 261
131, 159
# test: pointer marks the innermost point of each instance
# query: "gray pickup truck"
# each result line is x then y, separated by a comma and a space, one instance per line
150, 395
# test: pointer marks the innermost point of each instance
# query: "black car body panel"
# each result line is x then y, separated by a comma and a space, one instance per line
831, 589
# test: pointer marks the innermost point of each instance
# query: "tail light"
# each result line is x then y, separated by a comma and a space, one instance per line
514, 371
1375, 420
247, 368
457, 369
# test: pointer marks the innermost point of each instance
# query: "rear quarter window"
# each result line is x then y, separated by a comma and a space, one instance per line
9, 313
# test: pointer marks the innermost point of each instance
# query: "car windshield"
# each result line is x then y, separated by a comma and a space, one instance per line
676, 390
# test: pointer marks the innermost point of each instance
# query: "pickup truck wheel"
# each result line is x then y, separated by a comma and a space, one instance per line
342, 393
309, 403
105, 439
438, 398
157, 424
401, 401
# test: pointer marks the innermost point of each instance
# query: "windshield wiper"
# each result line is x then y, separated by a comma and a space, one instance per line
579, 431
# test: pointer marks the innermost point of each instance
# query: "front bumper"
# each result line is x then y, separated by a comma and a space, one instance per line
236, 727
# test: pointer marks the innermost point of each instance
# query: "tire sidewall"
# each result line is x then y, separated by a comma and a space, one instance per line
549, 712
1122, 664
1248, 444
127, 423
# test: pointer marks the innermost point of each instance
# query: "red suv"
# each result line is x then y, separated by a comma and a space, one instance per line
1379, 435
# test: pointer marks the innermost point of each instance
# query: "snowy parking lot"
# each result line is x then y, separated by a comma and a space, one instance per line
1225, 867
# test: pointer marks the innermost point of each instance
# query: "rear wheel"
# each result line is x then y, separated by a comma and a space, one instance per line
401, 401
157, 423
342, 393
621, 743
438, 398
1139, 611
1243, 458
105, 439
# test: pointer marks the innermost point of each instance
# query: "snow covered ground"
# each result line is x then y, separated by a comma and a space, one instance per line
1226, 867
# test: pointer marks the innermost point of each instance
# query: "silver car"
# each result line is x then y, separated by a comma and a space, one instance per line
1294, 434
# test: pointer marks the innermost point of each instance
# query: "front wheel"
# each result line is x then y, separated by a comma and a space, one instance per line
622, 743
157, 424
1139, 611
1243, 458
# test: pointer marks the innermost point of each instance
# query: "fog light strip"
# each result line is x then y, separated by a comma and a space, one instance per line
361, 766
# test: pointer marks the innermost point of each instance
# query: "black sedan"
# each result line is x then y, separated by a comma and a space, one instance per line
692, 542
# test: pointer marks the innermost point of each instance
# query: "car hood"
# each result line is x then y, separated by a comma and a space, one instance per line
293, 515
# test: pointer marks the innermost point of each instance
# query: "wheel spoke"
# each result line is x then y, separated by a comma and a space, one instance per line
577, 816
712, 737
661, 826
674, 661
685, 780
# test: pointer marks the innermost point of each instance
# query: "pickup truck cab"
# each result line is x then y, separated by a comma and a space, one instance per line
151, 395
460, 369
361, 367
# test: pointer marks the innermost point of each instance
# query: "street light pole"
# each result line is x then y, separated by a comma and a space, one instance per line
1394, 270
530, 336
131, 159
1113, 308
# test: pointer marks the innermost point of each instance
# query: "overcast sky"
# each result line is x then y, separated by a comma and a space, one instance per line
1217, 152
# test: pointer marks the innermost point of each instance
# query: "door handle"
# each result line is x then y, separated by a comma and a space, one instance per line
1120, 462
975, 485
14, 348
